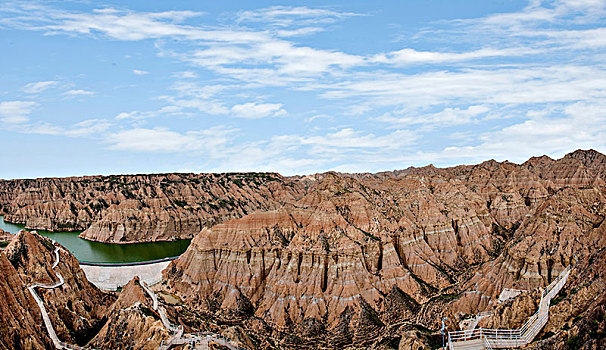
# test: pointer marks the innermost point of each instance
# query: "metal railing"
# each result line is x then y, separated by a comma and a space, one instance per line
507, 338
178, 337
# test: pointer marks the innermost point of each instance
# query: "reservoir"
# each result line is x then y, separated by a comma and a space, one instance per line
88, 251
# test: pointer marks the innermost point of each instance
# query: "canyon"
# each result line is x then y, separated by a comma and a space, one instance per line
139, 208
328, 260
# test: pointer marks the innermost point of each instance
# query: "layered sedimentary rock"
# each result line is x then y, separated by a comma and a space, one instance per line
76, 308
20, 320
80, 313
372, 260
357, 253
131, 322
344, 242
140, 208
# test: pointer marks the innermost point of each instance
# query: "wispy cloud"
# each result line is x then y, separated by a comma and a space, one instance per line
81, 129
78, 92
161, 140
554, 83
185, 75
286, 16
140, 72
252, 110
16, 112
116, 24
37, 87
410, 56
446, 117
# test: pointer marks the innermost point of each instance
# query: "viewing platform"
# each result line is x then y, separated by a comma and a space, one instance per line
481, 338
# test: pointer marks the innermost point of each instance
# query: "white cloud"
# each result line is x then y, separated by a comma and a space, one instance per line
78, 92
84, 128
542, 12
350, 138
252, 110
160, 140
447, 117
139, 115
287, 61
140, 72
285, 33
37, 87
317, 116
185, 75
475, 86
588, 38
410, 56
203, 98
119, 24
16, 112
284, 16
203, 105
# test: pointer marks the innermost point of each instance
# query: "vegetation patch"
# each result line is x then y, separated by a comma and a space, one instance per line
149, 312
574, 342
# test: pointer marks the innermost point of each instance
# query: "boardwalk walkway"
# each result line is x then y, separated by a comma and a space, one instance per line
480, 338
196, 340
47, 321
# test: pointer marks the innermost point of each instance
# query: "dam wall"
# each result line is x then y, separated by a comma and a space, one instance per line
114, 276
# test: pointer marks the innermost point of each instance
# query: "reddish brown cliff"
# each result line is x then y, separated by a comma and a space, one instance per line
374, 260
76, 308
359, 253
80, 313
140, 208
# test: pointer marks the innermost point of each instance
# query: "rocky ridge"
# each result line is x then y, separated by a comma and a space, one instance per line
140, 208
80, 313
359, 254
376, 260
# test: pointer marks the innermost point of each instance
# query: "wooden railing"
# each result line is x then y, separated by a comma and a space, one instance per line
509, 338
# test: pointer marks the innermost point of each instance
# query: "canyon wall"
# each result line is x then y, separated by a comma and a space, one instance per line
359, 253
80, 313
335, 260
140, 208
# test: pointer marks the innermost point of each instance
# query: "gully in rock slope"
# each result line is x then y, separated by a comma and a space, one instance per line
373, 260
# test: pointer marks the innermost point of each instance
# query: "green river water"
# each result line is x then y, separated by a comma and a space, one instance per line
89, 251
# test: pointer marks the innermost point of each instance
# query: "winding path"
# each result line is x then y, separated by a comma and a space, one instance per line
47, 321
482, 338
197, 340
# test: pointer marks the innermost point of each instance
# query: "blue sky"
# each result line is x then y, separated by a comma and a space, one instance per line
205, 86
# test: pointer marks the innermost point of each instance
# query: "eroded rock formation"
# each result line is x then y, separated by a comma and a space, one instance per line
140, 208
76, 309
80, 313
353, 260
357, 254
